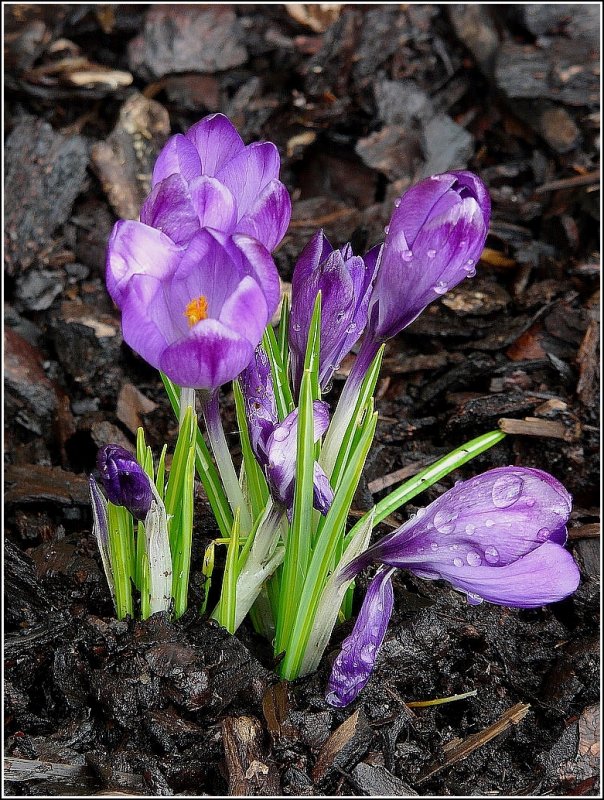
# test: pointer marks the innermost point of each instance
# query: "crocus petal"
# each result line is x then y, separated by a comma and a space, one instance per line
260, 404
268, 217
493, 518
135, 248
322, 491
210, 356
354, 664
206, 269
255, 260
543, 576
245, 311
417, 205
169, 208
249, 172
216, 141
147, 324
213, 204
178, 156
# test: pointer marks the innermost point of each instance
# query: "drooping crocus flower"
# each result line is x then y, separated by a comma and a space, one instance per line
209, 178
124, 480
498, 537
195, 311
344, 281
274, 442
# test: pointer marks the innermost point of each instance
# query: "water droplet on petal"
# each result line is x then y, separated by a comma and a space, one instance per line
473, 559
470, 262
470, 271
489, 523
351, 328
458, 562
441, 287
470, 529
406, 255
434, 546
506, 490
444, 520
397, 202
420, 512
530, 501
297, 326
387, 230
543, 534
431, 253
491, 555
474, 599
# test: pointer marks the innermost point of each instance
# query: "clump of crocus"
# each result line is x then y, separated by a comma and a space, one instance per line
498, 537
274, 442
194, 278
344, 281
124, 481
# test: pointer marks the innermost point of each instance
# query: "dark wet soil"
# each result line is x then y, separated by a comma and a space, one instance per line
361, 101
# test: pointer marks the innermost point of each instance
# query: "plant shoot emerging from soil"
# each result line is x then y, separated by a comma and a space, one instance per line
197, 287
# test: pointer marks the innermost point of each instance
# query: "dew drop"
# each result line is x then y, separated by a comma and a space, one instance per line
434, 546
474, 599
543, 534
457, 562
470, 529
420, 512
431, 253
506, 490
473, 559
440, 288
434, 177
491, 555
387, 230
351, 328
530, 501
444, 520
280, 434
489, 523
297, 326
407, 255
470, 271
397, 202
470, 262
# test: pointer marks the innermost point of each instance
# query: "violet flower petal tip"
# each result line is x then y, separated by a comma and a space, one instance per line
354, 664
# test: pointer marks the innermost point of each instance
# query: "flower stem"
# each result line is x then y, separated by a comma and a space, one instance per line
346, 405
187, 398
224, 462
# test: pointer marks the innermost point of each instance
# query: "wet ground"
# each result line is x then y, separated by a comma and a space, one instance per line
361, 101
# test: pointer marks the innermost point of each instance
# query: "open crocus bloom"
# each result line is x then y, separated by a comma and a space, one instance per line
499, 537
196, 311
275, 443
344, 281
207, 177
434, 240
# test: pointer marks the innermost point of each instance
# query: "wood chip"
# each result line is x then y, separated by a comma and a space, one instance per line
345, 745
458, 750
249, 773
397, 476
589, 531
543, 428
131, 405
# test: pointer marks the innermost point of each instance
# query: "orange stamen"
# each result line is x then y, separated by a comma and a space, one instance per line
196, 310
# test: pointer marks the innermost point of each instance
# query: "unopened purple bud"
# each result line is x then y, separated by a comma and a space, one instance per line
260, 405
353, 666
124, 480
344, 281
434, 240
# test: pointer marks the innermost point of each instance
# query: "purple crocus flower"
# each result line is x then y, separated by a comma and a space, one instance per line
196, 311
274, 442
499, 537
344, 281
124, 480
209, 178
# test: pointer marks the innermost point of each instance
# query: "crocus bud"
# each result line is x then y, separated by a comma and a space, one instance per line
434, 240
124, 480
260, 405
498, 537
344, 281
354, 664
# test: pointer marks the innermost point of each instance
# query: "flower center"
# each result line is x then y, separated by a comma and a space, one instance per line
196, 310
